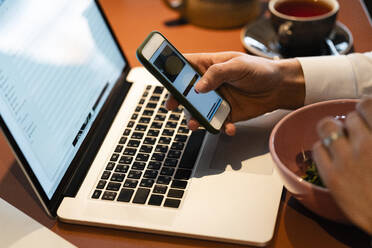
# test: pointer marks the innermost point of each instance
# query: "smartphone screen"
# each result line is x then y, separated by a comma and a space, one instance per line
183, 77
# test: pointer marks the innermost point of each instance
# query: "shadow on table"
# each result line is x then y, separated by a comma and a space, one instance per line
15, 189
349, 235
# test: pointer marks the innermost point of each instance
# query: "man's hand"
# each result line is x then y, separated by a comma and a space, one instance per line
345, 165
251, 85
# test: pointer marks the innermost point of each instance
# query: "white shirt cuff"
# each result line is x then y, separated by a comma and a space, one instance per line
328, 77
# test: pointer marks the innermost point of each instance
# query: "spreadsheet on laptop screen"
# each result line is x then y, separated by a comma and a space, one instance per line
58, 63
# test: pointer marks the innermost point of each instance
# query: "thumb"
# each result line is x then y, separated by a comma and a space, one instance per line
215, 76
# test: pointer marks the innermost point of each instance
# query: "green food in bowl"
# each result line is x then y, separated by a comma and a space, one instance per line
308, 167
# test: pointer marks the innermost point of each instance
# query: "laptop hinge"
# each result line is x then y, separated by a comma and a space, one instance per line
96, 136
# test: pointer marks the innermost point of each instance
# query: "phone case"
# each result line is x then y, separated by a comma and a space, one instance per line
180, 98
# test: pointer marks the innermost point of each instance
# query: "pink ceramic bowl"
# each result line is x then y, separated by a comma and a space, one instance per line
295, 132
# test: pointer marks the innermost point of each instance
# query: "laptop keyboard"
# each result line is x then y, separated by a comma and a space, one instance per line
153, 160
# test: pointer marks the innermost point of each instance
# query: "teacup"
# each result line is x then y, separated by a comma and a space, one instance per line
216, 13
302, 26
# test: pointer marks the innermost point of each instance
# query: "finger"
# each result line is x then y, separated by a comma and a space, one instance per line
230, 129
356, 127
202, 61
192, 123
332, 135
364, 108
323, 162
217, 74
171, 103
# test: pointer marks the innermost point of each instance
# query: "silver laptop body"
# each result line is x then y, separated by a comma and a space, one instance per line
99, 149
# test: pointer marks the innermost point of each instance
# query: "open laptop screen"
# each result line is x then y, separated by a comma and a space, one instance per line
58, 63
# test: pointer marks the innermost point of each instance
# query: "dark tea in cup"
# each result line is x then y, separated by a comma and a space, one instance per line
304, 8
302, 26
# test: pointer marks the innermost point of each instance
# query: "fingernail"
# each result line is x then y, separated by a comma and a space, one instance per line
199, 88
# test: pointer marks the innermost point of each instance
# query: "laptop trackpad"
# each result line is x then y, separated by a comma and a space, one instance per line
248, 151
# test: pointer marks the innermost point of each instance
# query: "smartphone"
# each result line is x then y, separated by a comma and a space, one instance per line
178, 76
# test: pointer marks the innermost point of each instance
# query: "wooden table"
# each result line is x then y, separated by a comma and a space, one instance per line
132, 20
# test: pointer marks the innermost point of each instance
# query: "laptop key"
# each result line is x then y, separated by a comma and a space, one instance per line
130, 124
127, 132
161, 148
125, 195
151, 105
154, 98
177, 110
177, 146
182, 174
154, 165
122, 140
146, 149
153, 133
114, 157
148, 112
137, 135
162, 110
149, 141
142, 157
156, 200
130, 151
164, 140
172, 203
167, 171
150, 174
168, 132
138, 165
171, 124
141, 195
156, 125
171, 162
117, 177
163, 180
125, 160
105, 175
113, 186
138, 109
158, 90
192, 149
179, 184
101, 184
134, 174
159, 117
146, 182
122, 168
141, 127
174, 117
183, 130
180, 138
175, 193
160, 189
108, 195
130, 183
110, 166
144, 120
133, 143
96, 194
119, 148
174, 154
158, 157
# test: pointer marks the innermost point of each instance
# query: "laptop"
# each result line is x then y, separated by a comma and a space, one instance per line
98, 147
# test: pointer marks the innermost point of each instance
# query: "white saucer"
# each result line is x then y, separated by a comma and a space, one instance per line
260, 39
